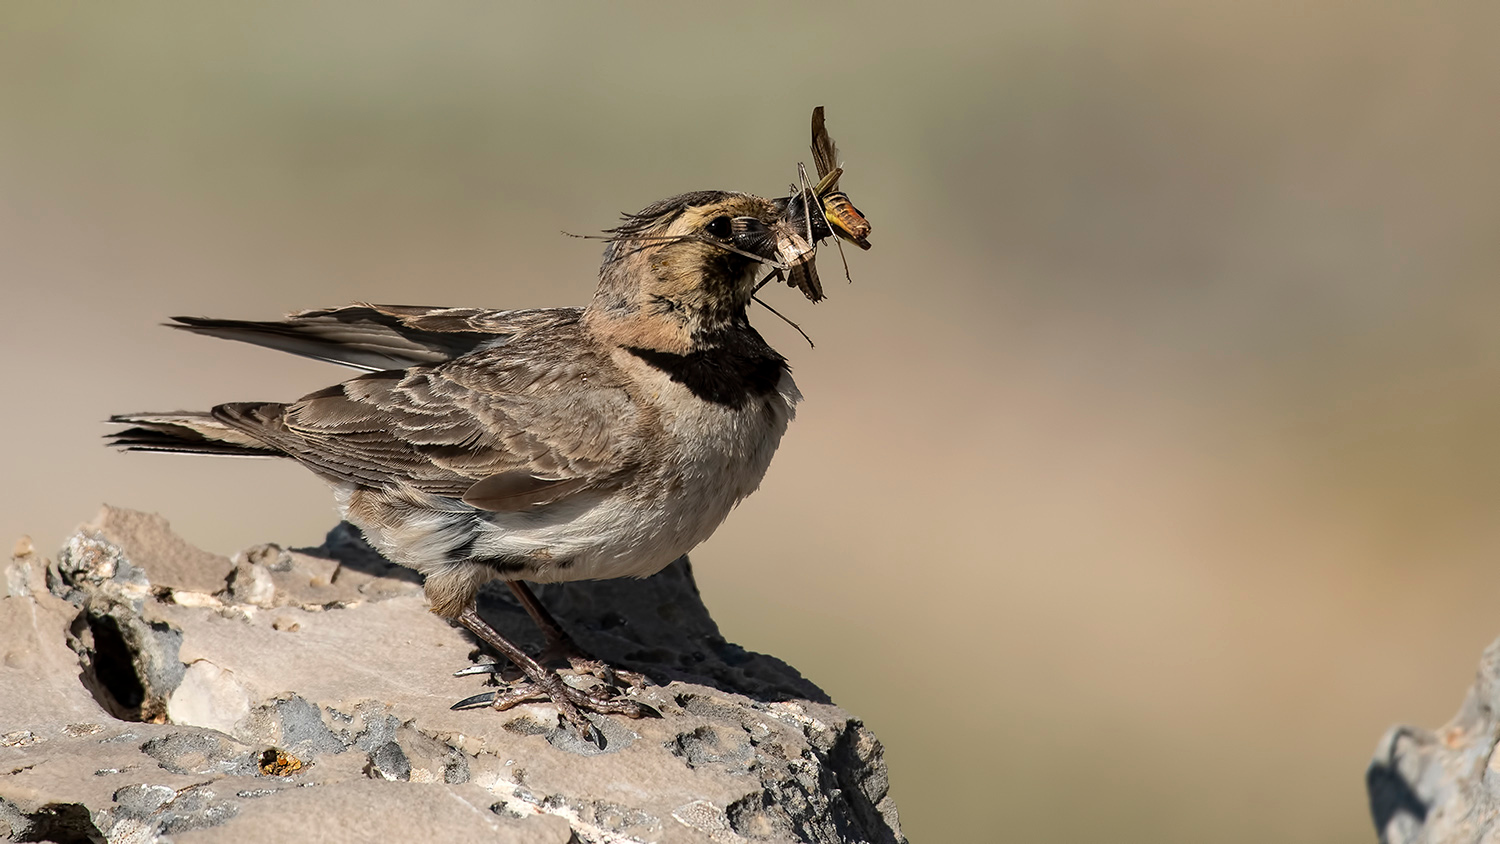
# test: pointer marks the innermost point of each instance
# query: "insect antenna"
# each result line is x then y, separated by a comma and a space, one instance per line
751, 255
808, 197
783, 318
648, 239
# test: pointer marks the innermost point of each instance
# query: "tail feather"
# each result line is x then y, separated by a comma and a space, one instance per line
185, 432
367, 337
381, 337
359, 346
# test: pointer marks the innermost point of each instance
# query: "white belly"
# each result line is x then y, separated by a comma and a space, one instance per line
718, 456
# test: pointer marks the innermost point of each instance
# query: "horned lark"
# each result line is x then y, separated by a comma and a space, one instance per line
554, 444
538, 445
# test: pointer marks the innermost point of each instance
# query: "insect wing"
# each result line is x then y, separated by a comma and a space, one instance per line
825, 154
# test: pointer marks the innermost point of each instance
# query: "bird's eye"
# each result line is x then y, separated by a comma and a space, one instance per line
719, 227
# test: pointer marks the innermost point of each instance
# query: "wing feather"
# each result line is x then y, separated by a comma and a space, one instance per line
492, 428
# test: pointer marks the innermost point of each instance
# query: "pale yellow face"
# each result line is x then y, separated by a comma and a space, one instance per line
712, 263
687, 266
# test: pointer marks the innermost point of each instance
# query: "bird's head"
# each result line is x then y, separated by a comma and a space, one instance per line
683, 269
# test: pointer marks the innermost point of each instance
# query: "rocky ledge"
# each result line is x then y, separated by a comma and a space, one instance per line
153, 692
1443, 787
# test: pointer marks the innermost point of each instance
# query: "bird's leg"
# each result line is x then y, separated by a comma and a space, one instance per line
545, 684
561, 646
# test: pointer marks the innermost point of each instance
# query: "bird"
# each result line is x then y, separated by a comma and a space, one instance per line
539, 445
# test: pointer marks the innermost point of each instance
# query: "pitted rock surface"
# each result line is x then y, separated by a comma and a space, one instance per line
286, 692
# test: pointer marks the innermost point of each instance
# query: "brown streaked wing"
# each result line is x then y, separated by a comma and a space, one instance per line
466, 320
441, 430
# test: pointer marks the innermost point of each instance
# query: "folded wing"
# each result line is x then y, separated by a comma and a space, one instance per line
494, 429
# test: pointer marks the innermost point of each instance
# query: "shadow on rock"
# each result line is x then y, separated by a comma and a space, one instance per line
656, 625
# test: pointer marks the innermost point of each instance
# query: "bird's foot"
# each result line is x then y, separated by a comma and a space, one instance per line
572, 702
542, 684
580, 661
584, 663
608, 674
560, 646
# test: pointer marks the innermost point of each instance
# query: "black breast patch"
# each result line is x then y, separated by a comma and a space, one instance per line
731, 372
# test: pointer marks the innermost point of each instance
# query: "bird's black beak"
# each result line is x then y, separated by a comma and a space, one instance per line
754, 236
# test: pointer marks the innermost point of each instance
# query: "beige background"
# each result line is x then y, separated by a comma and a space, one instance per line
1148, 469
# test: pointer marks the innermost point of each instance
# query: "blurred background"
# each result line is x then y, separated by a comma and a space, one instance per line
1148, 467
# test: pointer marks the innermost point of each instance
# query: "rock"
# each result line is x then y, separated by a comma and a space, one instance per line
288, 691
175, 564
1442, 788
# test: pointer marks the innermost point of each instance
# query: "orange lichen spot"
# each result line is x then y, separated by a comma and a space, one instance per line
275, 763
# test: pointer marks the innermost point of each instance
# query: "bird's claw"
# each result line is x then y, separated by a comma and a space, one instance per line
481, 668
